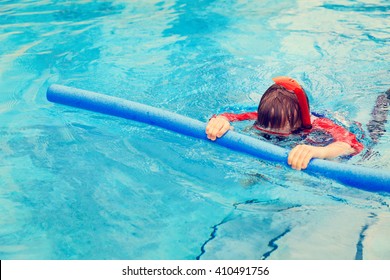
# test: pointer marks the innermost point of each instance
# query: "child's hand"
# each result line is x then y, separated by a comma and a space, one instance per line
300, 156
217, 127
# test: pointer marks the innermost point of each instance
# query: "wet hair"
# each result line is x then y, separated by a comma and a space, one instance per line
279, 108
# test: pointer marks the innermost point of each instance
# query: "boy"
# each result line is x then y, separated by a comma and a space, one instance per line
284, 110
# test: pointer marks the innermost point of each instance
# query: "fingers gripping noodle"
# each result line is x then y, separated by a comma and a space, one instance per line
356, 176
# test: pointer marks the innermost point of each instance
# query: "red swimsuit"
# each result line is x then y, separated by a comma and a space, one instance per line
323, 124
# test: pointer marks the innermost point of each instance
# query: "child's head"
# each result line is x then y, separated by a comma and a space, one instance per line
279, 111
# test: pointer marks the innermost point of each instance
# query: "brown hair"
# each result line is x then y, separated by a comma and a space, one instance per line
279, 108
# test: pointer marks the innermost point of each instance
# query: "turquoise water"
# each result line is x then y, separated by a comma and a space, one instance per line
79, 185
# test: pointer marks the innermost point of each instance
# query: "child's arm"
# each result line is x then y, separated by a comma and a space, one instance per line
345, 144
219, 125
300, 156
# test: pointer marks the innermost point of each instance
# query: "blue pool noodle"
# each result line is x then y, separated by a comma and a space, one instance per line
356, 176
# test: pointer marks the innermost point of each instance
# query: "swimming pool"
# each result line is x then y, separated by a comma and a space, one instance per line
79, 185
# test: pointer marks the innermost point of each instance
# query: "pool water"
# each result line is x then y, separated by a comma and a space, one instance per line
79, 185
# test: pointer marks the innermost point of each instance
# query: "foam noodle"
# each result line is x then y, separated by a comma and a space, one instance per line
357, 176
